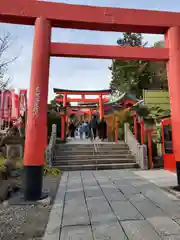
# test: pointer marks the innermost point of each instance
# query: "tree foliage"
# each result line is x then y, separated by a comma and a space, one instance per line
53, 118
158, 71
135, 75
53, 105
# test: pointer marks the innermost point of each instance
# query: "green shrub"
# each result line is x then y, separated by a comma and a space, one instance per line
121, 133
51, 171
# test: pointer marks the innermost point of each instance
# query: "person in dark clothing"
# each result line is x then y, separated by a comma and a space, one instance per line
86, 127
102, 128
72, 128
94, 125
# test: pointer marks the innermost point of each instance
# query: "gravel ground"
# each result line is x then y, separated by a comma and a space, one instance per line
26, 222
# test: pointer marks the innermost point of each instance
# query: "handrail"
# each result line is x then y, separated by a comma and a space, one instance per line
139, 151
49, 152
95, 150
93, 143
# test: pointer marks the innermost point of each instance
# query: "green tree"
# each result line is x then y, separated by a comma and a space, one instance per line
53, 106
135, 75
158, 71
130, 75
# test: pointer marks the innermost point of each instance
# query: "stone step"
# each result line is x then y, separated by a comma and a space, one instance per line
91, 148
69, 153
72, 146
97, 167
58, 162
81, 157
90, 151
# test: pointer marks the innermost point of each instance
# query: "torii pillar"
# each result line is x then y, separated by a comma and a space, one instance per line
135, 125
101, 109
173, 71
90, 114
36, 128
64, 118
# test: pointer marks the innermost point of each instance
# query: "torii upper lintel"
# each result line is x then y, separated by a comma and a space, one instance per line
88, 17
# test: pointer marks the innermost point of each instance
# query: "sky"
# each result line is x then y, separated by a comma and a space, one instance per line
71, 73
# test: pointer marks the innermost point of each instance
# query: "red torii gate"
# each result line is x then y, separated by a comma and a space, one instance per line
45, 15
65, 92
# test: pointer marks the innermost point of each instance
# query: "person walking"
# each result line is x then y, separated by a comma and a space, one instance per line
72, 130
94, 125
81, 130
102, 129
86, 129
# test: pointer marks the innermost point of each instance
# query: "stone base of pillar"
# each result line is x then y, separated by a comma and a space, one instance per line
33, 183
178, 173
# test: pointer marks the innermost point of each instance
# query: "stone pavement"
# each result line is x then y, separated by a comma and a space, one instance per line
112, 205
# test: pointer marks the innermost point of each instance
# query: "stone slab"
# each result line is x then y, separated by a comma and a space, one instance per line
115, 196
90, 187
126, 211
93, 193
139, 230
164, 225
74, 203
76, 233
172, 237
144, 195
89, 183
147, 208
111, 230
53, 227
159, 177
74, 187
76, 215
98, 206
78, 195
128, 190
107, 217
52, 231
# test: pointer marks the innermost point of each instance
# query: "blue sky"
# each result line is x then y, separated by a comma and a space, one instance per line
74, 73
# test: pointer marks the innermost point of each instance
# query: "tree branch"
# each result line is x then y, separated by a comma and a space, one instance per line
5, 43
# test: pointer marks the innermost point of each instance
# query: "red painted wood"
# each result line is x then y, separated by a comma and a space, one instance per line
173, 70
36, 128
88, 17
169, 162
101, 108
142, 132
82, 100
84, 92
116, 128
149, 133
108, 52
62, 127
169, 158
135, 125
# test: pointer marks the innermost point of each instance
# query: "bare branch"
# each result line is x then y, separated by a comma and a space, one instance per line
5, 44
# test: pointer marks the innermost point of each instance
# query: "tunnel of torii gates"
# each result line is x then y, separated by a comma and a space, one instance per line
46, 15
65, 100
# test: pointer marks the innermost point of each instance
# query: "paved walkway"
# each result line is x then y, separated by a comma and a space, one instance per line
113, 205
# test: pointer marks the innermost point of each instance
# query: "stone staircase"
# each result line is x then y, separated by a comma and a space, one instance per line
71, 157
